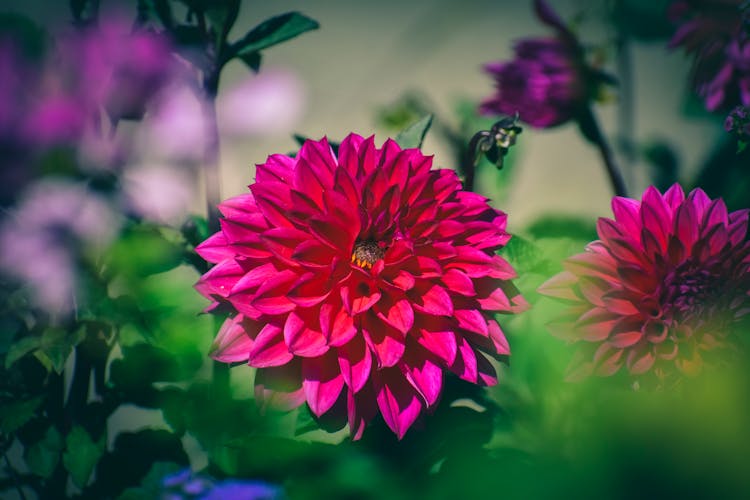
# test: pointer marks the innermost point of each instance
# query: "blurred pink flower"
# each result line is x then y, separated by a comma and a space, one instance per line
355, 279
175, 129
270, 103
161, 193
39, 241
664, 285
712, 31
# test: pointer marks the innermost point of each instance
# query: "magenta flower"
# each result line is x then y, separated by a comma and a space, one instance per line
712, 30
666, 283
358, 278
546, 83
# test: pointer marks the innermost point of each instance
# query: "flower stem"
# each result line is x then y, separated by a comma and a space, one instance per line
591, 129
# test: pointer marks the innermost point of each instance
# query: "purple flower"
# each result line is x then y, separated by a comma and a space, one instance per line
40, 240
184, 485
712, 31
546, 82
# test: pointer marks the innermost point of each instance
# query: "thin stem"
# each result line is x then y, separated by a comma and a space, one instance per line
14, 476
591, 129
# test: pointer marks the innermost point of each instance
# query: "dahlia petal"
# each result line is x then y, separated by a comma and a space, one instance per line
332, 233
625, 339
322, 382
424, 376
716, 214
220, 279
638, 279
472, 320
656, 216
361, 408
300, 338
465, 364
738, 228
434, 300
608, 229
251, 280
269, 348
496, 300
313, 253
360, 298
349, 154
215, 248
320, 157
277, 168
399, 315
397, 400
336, 324
355, 362
457, 281
274, 202
270, 298
486, 374
386, 342
233, 342
310, 290
441, 343
627, 214
498, 338
560, 286
238, 207
674, 196
596, 324
686, 224
306, 181
699, 201
280, 387
619, 306
367, 157
607, 360
404, 281
344, 184
640, 360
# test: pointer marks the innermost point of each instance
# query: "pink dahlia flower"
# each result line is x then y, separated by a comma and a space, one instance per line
712, 30
666, 283
546, 83
358, 278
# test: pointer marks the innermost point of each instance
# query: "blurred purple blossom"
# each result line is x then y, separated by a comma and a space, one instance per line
184, 485
40, 241
712, 31
269, 103
162, 193
547, 82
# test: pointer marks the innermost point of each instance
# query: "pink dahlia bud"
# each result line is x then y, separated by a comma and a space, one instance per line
665, 284
712, 30
546, 82
358, 278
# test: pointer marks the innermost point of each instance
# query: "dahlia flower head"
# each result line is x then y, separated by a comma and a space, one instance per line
354, 279
665, 284
713, 31
546, 83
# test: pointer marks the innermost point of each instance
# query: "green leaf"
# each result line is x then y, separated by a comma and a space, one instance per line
81, 455
56, 345
412, 136
524, 255
252, 60
20, 349
14, 415
221, 15
274, 31
143, 250
42, 457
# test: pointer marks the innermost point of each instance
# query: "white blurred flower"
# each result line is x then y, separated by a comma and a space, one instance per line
269, 103
161, 193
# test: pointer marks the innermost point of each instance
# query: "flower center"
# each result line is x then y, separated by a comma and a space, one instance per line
366, 253
692, 291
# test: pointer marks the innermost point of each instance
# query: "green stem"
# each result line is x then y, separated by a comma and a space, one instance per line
591, 129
